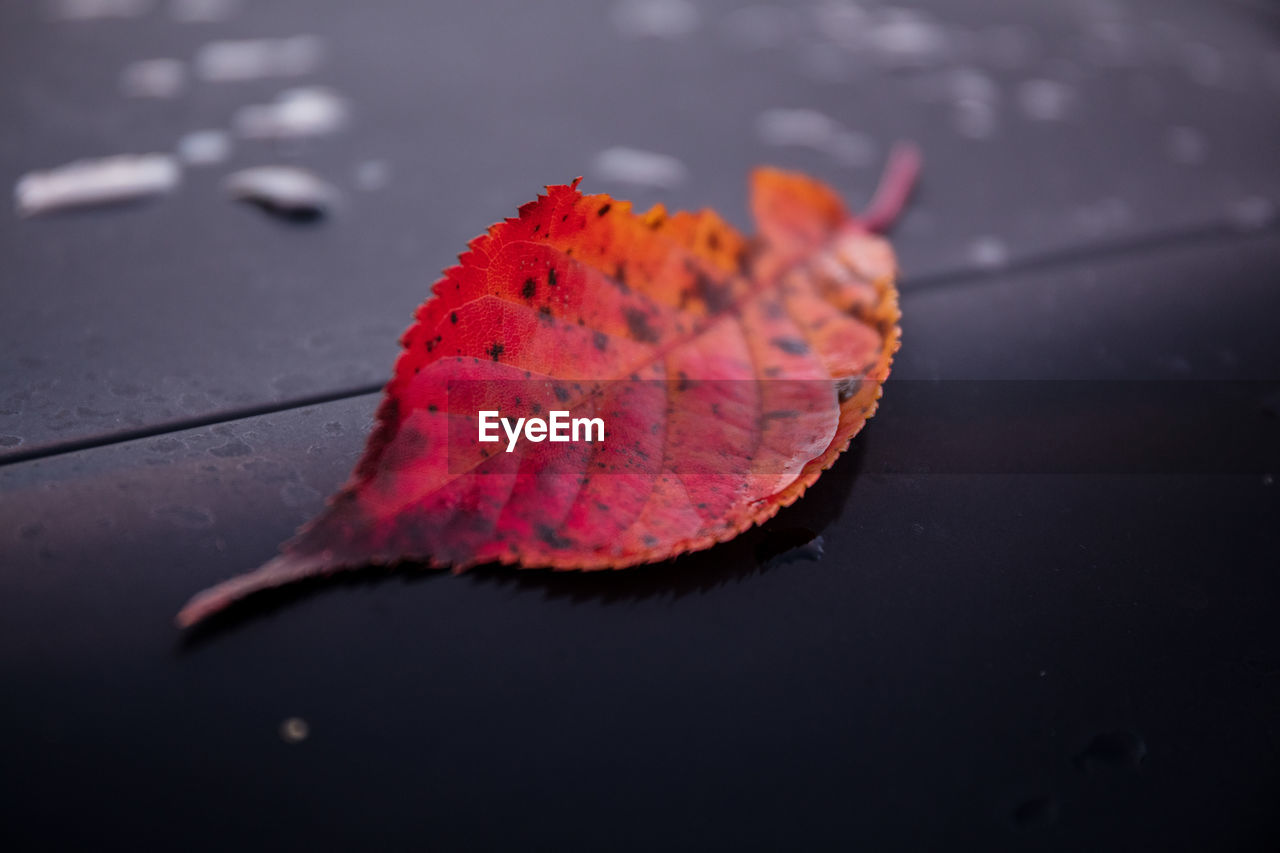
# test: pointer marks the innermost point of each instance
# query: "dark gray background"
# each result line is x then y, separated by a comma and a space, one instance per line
931, 682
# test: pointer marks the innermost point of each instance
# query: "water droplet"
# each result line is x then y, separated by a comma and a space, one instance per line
252, 59
372, 175
295, 113
907, 38
642, 168
294, 730
153, 78
665, 19
286, 191
988, 253
204, 147
84, 183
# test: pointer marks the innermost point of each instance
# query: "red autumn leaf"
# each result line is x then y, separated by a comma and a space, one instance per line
730, 373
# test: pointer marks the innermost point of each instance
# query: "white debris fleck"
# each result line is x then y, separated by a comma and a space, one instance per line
294, 730
759, 27
154, 78
643, 168
252, 59
1045, 100
202, 11
284, 190
988, 253
309, 111
372, 175
89, 10
803, 126
204, 147
1186, 145
808, 128
664, 19
1252, 213
907, 38
85, 183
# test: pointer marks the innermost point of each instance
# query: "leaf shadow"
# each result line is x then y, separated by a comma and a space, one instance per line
781, 540
776, 543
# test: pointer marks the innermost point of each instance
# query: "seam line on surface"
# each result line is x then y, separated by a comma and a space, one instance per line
167, 427
1202, 235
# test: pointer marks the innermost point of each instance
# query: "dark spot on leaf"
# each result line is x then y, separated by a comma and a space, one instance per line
600, 340
453, 317
794, 346
561, 392
638, 326
553, 539
604, 208
495, 350
551, 276
530, 289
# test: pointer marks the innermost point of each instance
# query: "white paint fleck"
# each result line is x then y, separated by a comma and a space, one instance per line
1186, 145
1253, 213
642, 168
204, 147
154, 78
664, 19
1045, 100
285, 190
988, 253
85, 183
310, 111
808, 128
907, 38
294, 730
372, 175
89, 10
805, 127
253, 59
202, 11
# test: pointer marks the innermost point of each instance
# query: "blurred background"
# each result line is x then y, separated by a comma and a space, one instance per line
1070, 657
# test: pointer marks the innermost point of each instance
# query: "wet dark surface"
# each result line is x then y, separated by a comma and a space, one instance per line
944, 654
